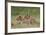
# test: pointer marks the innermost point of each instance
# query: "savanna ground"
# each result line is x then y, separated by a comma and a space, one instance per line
25, 11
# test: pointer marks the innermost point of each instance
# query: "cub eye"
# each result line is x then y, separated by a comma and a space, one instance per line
12, 24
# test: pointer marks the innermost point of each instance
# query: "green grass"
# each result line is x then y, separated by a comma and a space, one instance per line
26, 11
31, 11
